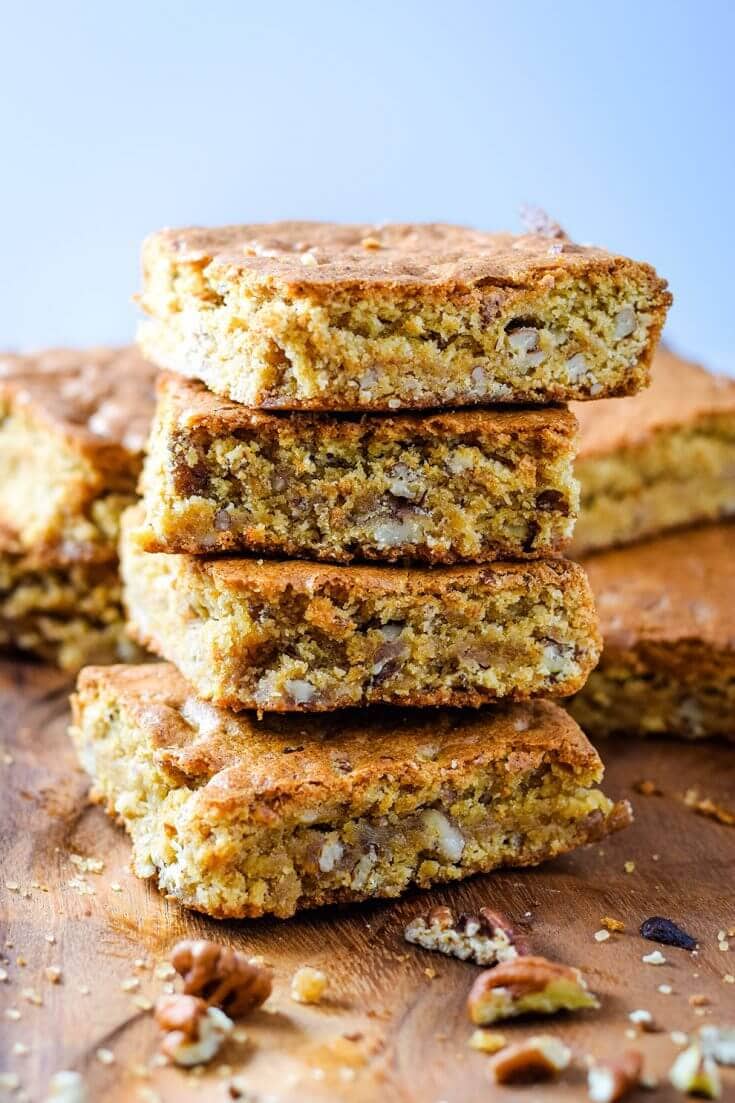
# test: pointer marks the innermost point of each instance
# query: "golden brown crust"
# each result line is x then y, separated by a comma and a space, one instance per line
100, 399
281, 759
432, 256
680, 395
677, 592
269, 577
324, 317
193, 406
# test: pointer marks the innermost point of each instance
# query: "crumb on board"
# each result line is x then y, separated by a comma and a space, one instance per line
308, 985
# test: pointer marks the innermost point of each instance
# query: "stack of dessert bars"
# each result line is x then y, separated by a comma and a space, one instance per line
358, 487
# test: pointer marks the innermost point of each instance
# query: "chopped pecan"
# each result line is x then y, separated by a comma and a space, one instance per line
539, 1057
485, 938
705, 806
193, 1031
221, 976
527, 985
695, 1072
611, 1079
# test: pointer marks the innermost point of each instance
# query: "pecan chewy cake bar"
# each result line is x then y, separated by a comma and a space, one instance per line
668, 661
332, 317
465, 485
237, 817
657, 460
299, 636
72, 428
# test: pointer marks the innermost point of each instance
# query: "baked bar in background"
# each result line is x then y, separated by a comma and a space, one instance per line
69, 614
293, 636
238, 817
72, 428
73, 425
472, 485
666, 612
656, 460
322, 316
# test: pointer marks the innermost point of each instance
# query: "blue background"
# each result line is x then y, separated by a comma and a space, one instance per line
119, 119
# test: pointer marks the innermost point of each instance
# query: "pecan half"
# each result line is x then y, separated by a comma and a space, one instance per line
539, 1057
485, 938
193, 1031
611, 1079
221, 976
527, 985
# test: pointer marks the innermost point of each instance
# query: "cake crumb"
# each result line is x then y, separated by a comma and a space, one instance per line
487, 1041
87, 865
308, 985
647, 788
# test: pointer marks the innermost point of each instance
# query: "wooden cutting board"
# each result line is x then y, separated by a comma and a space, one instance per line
394, 1026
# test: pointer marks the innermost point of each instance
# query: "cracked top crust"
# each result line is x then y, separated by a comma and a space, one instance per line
97, 397
283, 759
681, 393
676, 589
331, 255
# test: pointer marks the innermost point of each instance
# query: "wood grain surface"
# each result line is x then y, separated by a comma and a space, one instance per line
394, 1026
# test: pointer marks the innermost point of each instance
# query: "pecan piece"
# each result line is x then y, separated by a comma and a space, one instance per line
611, 1079
527, 985
539, 1057
193, 1031
486, 938
695, 1073
221, 976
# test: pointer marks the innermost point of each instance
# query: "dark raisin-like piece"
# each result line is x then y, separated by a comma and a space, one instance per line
552, 500
658, 929
532, 531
